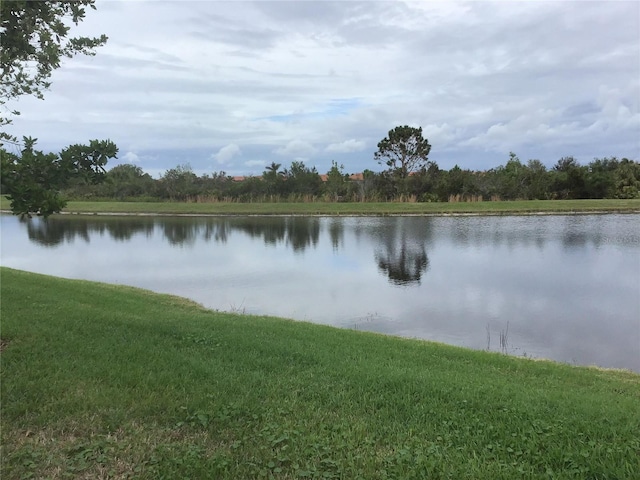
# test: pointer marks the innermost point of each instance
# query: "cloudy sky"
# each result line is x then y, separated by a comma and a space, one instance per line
234, 86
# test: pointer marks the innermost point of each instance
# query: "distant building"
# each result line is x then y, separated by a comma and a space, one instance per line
355, 177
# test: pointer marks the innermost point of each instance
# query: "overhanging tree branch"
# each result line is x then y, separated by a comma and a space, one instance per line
34, 40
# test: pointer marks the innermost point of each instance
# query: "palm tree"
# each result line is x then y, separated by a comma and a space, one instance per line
272, 170
272, 178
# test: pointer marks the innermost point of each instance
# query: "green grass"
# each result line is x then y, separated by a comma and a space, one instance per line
364, 208
103, 381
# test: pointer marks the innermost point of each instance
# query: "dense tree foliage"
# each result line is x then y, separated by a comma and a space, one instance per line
302, 181
336, 186
515, 180
125, 181
33, 181
404, 151
34, 41
78, 170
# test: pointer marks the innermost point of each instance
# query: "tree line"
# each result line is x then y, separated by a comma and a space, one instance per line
41, 183
515, 180
409, 176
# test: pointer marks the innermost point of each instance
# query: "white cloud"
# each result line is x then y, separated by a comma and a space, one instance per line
297, 148
347, 146
130, 157
441, 136
255, 163
227, 153
617, 110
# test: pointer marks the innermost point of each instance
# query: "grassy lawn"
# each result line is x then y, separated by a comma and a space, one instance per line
103, 381
321, 208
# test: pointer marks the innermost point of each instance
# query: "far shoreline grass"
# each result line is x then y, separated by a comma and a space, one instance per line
517, 207
105, 381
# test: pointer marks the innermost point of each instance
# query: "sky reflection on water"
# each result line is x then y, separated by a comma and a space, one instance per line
566, 287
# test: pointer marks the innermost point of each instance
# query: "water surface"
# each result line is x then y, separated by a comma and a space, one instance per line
561, 287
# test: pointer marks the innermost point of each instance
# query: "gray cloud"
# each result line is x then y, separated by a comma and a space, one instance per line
351, 145
314, 79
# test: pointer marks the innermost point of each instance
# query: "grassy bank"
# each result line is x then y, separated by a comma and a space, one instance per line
321, 208
102, 381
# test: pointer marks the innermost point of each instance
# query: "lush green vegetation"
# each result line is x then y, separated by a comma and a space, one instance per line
601, 178
607, 178
103, 381
33, 180
349, 208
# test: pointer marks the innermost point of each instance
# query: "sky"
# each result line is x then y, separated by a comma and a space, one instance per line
234, 86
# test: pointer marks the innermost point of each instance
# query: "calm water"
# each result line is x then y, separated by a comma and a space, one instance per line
560, 287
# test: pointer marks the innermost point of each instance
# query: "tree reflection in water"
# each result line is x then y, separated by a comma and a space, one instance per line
54, 231
404, 266
402, 255
296, 232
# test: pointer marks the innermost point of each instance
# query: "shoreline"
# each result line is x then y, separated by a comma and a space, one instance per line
155, 386
514, 213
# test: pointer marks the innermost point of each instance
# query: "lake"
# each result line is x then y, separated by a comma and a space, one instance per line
564, 287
